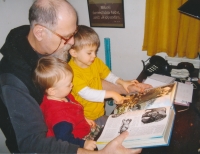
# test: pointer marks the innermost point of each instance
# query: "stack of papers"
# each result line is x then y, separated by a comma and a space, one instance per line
183, 94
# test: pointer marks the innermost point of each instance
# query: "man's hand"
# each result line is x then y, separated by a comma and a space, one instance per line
115, 146
126, 84
135, 87
139, 87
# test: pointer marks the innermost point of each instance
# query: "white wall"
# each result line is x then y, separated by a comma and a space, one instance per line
12, 13
126, 43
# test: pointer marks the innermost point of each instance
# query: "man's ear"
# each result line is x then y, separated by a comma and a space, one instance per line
73, 52
38, 32
50, 91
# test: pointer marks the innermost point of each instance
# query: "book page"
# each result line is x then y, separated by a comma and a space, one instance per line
158, 102
154, 83
151, 98
162, 78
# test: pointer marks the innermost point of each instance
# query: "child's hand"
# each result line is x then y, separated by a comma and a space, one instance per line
90, 145
91, 123
119, 99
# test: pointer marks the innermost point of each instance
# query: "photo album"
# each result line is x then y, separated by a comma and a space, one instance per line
148, 117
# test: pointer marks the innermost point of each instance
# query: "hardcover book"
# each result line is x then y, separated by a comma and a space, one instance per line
148, 117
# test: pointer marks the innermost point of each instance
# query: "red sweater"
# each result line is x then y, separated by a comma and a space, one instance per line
57, 111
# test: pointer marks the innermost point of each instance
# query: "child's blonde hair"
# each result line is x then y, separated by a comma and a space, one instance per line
85, 36
49, 71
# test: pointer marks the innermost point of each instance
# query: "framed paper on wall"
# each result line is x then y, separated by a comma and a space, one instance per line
106, 13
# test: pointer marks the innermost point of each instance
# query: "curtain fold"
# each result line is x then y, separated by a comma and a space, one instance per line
168, 30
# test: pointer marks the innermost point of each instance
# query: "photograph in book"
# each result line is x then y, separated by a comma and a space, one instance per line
147, 128
151, 98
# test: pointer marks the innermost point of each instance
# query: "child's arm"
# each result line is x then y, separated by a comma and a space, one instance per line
63, 131
90, 144
119, 99
91, 122
92, 94
99, 95
116, 80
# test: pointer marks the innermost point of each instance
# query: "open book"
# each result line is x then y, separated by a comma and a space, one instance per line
148, 118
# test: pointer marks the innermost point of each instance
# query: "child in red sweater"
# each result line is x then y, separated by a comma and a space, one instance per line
62, 113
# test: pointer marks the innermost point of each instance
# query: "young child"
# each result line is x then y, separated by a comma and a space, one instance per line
62, 113
88, 73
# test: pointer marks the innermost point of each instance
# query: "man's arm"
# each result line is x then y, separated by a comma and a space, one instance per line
30, 128
27, 119
113, 87
140, 87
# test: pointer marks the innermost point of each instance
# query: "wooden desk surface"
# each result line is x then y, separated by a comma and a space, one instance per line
185, 137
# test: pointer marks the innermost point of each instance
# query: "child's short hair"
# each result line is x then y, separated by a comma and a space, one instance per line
49, 71
85, 36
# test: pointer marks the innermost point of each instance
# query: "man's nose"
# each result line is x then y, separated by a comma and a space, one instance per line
71, 41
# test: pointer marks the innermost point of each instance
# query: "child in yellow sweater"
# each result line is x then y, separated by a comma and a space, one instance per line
89, 70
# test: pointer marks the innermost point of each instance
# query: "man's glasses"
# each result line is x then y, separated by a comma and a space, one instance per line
65, 39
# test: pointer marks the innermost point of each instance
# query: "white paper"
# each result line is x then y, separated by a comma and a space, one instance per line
162, 78
154, 83
184, 92
157, 80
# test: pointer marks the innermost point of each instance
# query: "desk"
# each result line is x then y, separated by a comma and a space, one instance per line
186, 131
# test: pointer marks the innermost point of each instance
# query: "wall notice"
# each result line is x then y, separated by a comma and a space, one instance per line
106, 13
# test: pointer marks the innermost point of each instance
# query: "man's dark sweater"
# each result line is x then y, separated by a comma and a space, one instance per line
22, 98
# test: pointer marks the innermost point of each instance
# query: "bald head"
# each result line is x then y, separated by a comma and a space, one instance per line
51, 21
47, 12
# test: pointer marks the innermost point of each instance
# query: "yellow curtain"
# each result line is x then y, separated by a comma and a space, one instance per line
168, 30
